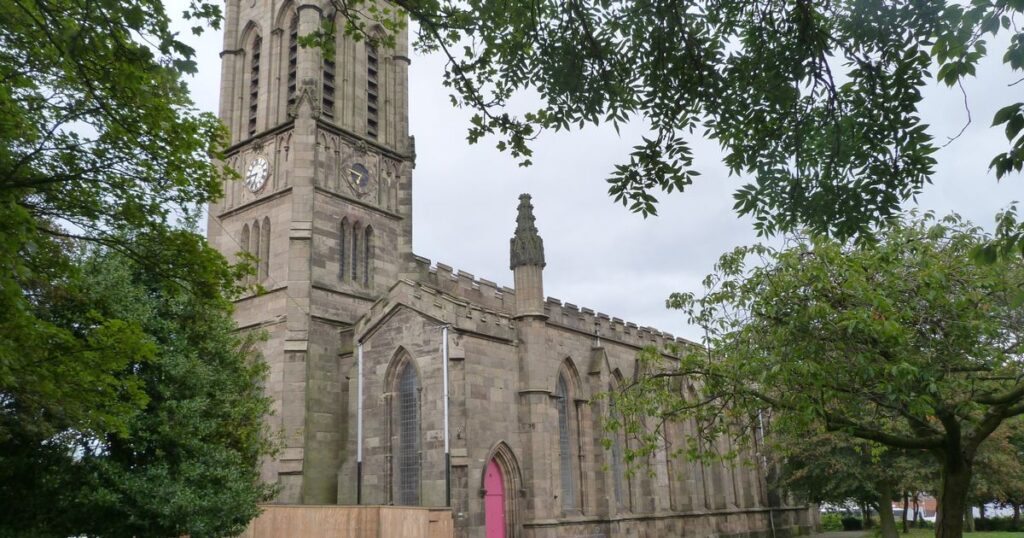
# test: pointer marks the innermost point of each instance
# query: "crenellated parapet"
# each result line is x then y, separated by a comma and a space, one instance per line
464, 285
605, 327
501, 299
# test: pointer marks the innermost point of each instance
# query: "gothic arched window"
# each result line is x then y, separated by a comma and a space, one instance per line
565, 444
245, 238
254, 248
254, 83
618, 456
342, 253
264, 266
367, 255
245, 242
408, 437
355, 253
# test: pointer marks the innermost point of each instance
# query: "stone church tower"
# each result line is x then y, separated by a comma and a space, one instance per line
325, 207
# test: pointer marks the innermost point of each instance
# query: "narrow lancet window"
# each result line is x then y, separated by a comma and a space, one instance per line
342, 252
293, 58
618, 457
254, 83
372, 90
565, 445
328, 88
245, 245
355, 253
254, 248
367, 255
264, 267
408, 437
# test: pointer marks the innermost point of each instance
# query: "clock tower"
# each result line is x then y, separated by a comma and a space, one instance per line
323, 207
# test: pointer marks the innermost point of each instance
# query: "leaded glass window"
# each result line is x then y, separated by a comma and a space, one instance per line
617, 456
565, 445
408, 437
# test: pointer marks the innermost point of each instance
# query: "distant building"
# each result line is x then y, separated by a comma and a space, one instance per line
325, 206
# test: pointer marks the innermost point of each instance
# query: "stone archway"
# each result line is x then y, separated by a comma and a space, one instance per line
501, 487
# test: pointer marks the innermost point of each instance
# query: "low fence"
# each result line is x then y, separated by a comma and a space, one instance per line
297, 521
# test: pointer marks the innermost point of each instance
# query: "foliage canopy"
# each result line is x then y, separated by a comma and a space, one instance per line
816, 102
905, 342
104, 167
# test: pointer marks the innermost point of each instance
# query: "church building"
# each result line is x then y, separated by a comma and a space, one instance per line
365, 338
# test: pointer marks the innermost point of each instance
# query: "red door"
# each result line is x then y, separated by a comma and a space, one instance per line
494, 501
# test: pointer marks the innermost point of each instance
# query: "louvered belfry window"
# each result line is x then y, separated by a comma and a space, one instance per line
565, 445
293, 58
408, 437
328, 88
254, 83
372, 90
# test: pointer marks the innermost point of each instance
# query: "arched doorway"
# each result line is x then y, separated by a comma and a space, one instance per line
494, 501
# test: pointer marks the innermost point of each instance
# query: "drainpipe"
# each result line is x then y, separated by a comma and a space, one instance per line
447, 453
359, 424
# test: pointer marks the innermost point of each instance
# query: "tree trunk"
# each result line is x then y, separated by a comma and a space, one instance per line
1016, 516
969, 519
955, 482
888, 521
917, 509
906, 507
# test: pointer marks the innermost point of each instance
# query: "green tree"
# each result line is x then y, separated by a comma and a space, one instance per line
905, 342
187, 462
834, 468
999, 476
98, 144
101, 148
816, 102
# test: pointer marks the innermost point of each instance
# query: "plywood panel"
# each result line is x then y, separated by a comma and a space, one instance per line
279, 521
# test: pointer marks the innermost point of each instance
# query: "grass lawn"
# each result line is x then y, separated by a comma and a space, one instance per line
928, 533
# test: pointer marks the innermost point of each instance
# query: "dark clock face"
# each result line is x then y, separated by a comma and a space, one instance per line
359, 176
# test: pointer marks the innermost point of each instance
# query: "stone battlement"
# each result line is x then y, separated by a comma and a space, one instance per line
463, 284
606, 327
483, 293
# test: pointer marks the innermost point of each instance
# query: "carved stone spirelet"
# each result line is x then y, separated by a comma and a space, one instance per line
527, 246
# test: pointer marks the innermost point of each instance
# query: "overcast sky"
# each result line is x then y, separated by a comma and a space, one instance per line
599, 255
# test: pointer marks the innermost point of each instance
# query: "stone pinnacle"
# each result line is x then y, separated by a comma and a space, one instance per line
527, 248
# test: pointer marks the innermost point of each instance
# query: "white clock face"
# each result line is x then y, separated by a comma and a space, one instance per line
256, 175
